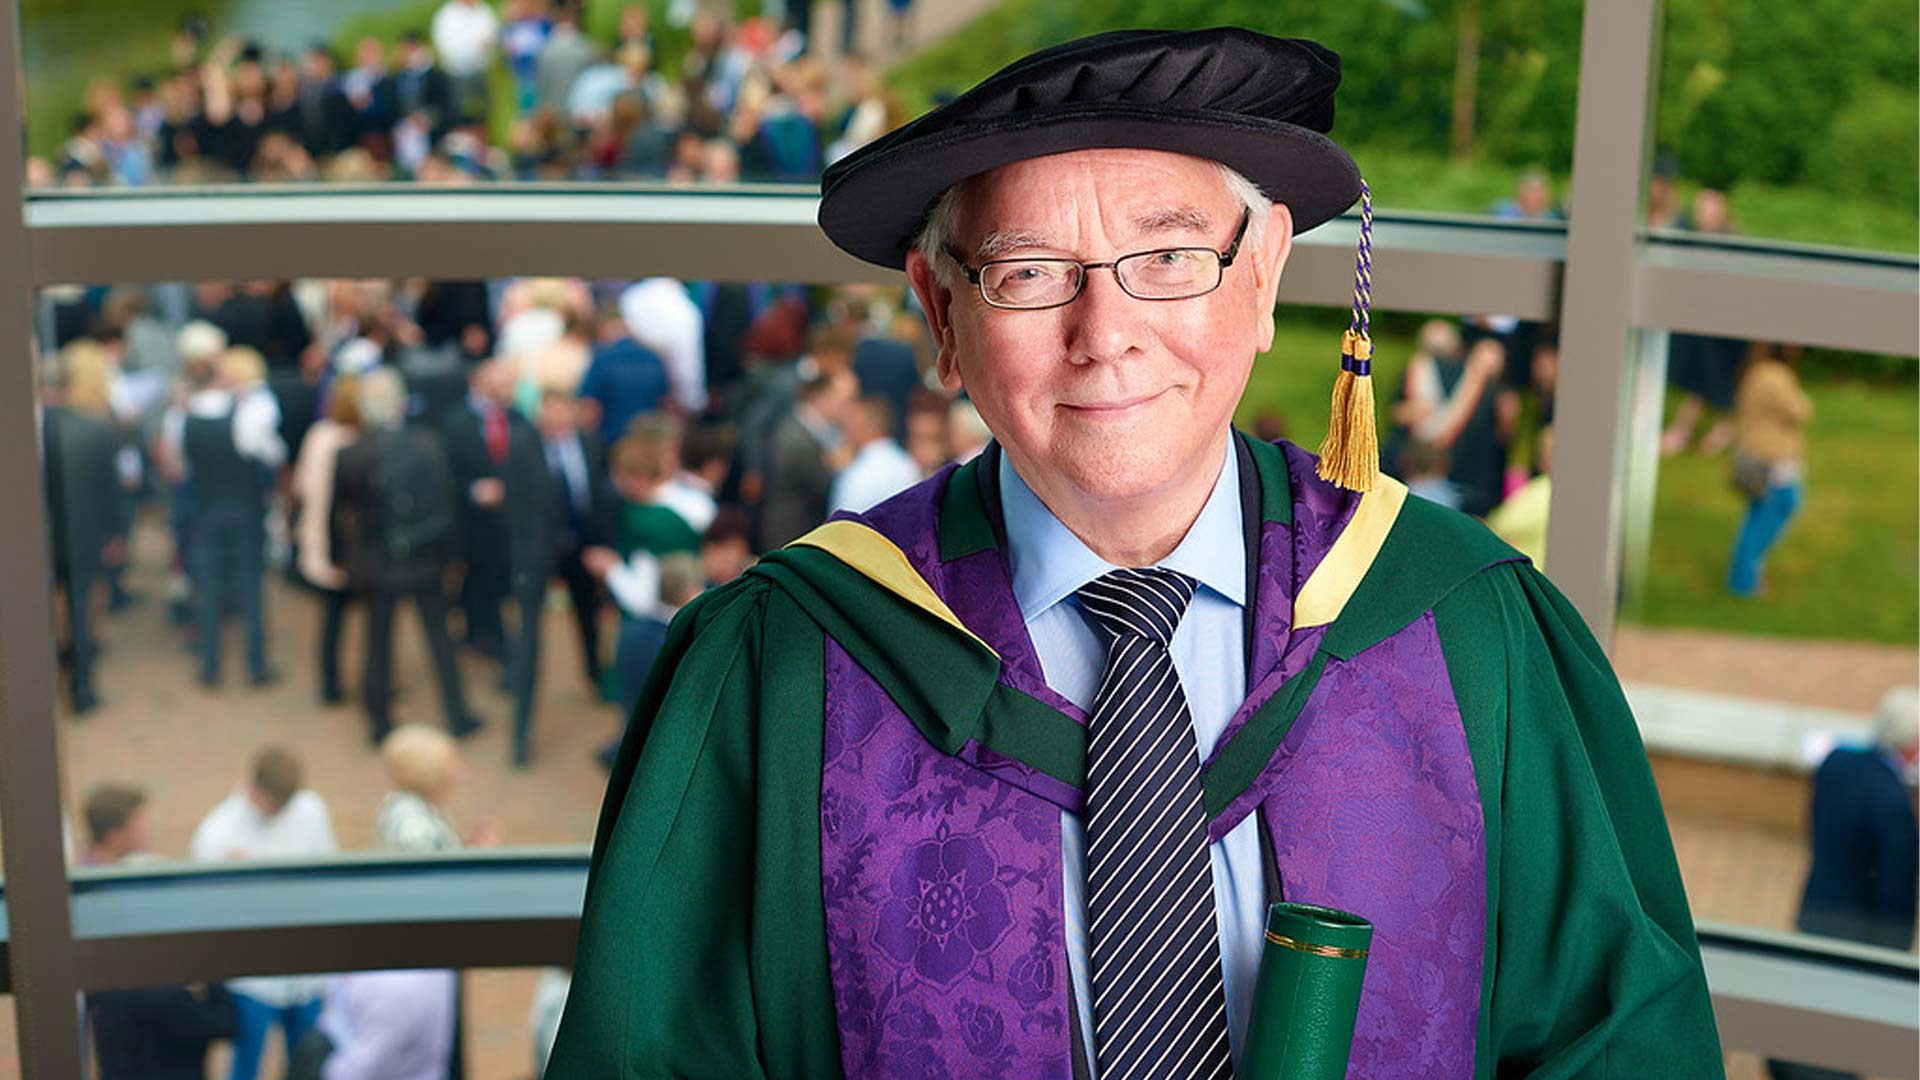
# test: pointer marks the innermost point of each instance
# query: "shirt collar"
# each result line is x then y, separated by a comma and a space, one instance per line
1049, 563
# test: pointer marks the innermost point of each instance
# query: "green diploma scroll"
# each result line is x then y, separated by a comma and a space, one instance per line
1307, 995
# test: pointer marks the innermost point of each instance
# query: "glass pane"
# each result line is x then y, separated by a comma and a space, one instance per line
1463, 107
1768, 643
1790, 125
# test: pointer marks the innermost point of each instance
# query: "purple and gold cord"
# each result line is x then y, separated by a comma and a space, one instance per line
1362, 291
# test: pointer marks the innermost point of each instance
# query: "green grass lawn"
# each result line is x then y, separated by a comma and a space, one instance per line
1848, 566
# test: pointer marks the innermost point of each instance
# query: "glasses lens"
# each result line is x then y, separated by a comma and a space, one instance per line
1030, 283
1170, 275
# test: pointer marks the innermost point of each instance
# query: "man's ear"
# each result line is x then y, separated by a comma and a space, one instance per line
937, 301
1270, 258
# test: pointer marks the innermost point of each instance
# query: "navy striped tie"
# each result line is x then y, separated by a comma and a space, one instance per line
1159, 1005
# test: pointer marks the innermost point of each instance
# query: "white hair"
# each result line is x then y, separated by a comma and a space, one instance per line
943, 220
383, 398
1896, 723
200, 340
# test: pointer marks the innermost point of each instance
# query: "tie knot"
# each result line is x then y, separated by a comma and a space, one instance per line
1138, 603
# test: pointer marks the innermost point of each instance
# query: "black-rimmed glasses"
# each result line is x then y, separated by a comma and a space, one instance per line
1030, 284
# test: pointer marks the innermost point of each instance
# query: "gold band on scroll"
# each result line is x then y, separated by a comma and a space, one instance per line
1315, 950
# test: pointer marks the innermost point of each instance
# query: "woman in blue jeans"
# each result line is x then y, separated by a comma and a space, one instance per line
1771, 415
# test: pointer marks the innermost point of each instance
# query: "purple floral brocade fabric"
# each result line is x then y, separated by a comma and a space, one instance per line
1374, 809
942, 874
942, 891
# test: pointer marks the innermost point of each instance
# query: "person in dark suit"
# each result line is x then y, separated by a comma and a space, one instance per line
558, 506
321, 118
477, 434
1865, 879
799, 470
394, 509
421, 87
888, 368
80, 443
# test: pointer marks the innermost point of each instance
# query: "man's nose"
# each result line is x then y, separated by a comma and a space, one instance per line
1103, 322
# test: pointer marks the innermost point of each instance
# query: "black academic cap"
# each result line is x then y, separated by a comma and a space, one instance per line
1262, 105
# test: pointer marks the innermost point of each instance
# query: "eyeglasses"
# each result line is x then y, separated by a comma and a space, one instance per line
1031, 284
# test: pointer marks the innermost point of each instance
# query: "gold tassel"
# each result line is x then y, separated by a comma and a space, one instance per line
1350, 456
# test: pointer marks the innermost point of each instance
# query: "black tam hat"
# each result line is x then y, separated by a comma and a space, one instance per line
1260, 105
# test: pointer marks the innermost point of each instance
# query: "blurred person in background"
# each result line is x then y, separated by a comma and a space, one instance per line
79, 445
625, 380
1864, 883
270, 815
650, 591
466, 34
557, 506
662, 317
927, 435
426, 769
568, 52
229, 441
1522, 519
479, 435
199, 344
726, 548
1423, 467
312, 490
1705, 368
394, 509
803, 456
967, 433
643, 467
885, 365
1451, 401
384, 1025
525, 27
1771, 413
116, 820
879, 467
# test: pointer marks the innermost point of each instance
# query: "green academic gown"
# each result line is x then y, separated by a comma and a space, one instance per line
830, 846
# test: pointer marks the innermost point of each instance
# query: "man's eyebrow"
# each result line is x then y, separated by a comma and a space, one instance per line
1172, 218
1001, 241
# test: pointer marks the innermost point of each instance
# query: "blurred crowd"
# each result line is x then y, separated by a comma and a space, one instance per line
1471, 422
520, 91
481, 452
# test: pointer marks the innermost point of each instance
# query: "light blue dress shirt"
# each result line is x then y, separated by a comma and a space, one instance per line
1049, 564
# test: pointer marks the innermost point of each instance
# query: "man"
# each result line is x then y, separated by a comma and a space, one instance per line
1001, 777
1865, 878
394, 508
271, 815
478, 433
557, 507
801, 458
152, 1032
625, 380
228, 438
78, 446
880, 468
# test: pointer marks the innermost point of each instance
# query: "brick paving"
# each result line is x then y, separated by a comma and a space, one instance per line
1738, 832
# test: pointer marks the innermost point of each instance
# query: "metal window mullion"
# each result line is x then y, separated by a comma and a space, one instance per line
40, 929
1618, 42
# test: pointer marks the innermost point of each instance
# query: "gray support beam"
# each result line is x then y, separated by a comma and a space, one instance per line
1618, 45
1424, 262
41, 934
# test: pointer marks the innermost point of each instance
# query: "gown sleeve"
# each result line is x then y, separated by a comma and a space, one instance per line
703, 943
1594, 968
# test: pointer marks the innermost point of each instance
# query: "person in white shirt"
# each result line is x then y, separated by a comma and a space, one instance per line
270, 815
465, 34
383, 1025
881, 467
661, 316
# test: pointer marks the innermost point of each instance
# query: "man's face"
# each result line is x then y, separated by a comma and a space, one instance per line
1107, 397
